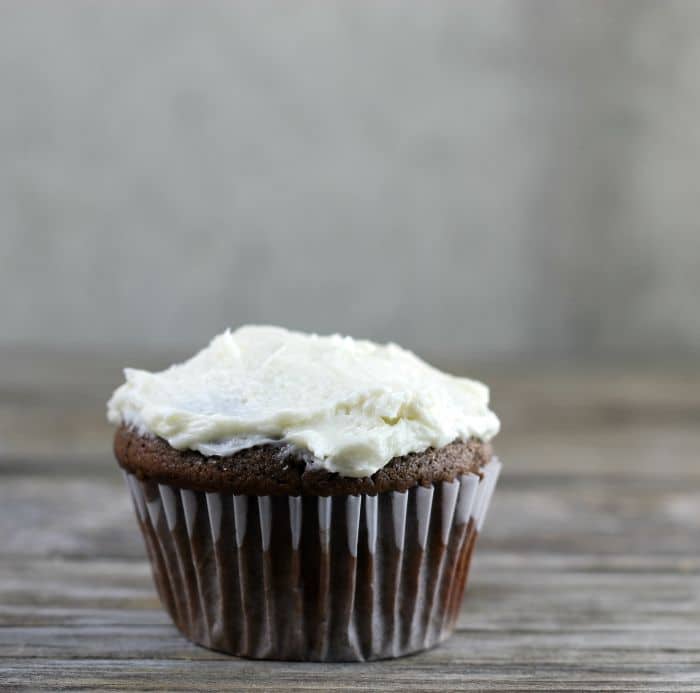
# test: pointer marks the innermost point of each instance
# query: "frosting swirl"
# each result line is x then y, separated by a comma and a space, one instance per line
352, 404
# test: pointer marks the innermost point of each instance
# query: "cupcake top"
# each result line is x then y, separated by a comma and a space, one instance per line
350, 405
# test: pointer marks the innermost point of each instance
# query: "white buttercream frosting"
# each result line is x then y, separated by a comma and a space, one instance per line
352, 404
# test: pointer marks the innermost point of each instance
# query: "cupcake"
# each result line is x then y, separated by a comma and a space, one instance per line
305, 497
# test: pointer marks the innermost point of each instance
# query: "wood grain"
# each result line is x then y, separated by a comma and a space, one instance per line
587, 576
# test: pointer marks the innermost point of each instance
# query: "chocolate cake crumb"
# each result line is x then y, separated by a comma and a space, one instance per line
272, 470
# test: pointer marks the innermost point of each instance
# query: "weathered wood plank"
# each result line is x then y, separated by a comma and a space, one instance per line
467, 648
506, 591
642, 419
410, 674
92, 517
648, 450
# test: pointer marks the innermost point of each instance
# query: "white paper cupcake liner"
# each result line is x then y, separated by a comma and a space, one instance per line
342, 578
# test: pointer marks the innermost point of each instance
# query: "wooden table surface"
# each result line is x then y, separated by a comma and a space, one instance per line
587, 576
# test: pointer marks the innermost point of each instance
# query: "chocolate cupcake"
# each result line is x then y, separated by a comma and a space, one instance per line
305, 497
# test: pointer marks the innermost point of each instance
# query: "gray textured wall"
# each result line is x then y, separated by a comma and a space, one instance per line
492, 179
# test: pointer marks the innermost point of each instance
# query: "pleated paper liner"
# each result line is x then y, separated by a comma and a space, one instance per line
344, 578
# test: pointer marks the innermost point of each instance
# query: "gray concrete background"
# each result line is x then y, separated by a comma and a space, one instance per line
492, 180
